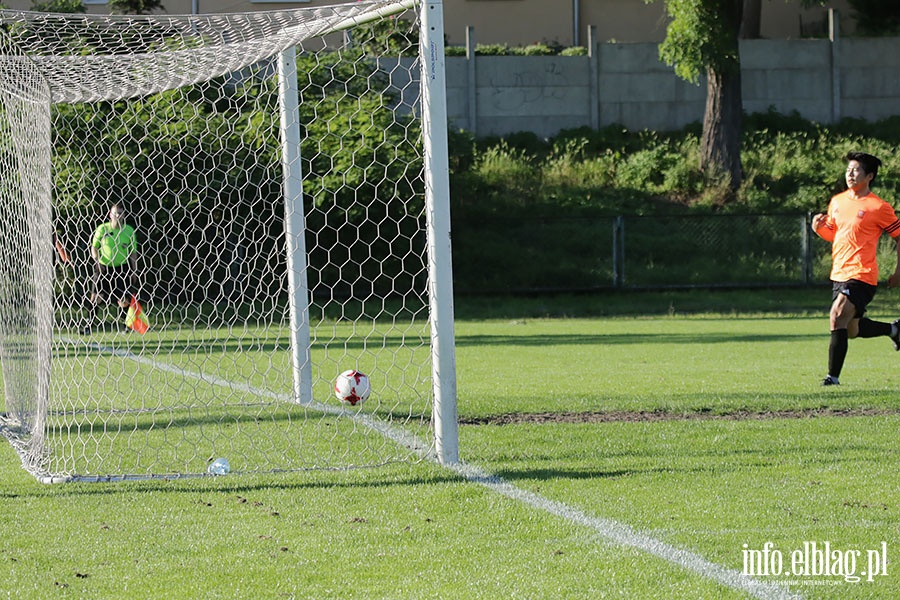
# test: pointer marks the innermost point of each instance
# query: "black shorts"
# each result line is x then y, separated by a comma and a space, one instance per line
859, 293
112, 283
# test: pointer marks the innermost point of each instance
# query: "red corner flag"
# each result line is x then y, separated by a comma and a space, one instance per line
136, 319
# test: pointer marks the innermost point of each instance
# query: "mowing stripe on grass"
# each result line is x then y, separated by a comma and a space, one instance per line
611, 530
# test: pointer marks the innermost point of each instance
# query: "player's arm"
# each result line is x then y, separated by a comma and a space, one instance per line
95, 254
823, 226
894, 279
892, 228
133, 266
95, 245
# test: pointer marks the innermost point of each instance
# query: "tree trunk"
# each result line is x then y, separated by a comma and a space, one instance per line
720, 148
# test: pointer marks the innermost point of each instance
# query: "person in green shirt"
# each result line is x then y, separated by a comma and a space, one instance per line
114, 251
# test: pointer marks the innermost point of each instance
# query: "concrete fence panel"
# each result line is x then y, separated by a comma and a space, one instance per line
822, 80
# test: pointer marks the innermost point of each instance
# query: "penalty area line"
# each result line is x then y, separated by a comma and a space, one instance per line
609, 529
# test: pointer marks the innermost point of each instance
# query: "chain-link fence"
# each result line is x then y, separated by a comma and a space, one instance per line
577, 254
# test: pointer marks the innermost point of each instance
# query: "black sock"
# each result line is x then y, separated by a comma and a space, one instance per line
837, 352
869, 328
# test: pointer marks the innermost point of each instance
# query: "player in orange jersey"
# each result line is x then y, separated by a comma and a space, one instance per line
855, 221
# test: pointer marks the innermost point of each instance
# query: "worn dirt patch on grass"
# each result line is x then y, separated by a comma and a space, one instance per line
653, 416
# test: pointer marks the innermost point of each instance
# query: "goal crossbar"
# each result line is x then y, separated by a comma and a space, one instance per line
195, 48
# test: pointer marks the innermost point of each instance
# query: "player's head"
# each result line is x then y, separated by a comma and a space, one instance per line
116, 212
868, 162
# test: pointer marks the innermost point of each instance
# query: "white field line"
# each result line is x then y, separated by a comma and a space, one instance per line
608, 529
623, 535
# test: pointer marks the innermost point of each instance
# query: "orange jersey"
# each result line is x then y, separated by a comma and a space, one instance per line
854, 226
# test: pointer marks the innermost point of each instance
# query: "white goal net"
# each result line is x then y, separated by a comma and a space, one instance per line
261, 187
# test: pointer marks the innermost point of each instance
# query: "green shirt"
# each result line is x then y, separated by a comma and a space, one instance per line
114, 245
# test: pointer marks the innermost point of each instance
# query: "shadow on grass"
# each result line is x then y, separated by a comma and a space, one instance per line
806, 407
231, 484
215, 347
162, 418
627, 339
713, 463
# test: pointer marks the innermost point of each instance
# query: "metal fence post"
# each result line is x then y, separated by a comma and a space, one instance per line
618, 252
594, 79
806, 250
471, 81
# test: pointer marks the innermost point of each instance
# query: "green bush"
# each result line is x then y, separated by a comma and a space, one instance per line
522, 205
535, 50
509, 169
790, 165
492, 49
166, 170
541, 49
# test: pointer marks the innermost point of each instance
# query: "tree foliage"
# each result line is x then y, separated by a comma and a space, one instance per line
134, 7
200, 169
387, 37
876, 17
60, 6
700, 37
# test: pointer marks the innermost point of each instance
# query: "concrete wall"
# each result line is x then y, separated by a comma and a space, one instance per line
626, 84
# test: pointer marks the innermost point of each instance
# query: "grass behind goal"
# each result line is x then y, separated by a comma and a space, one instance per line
131, 403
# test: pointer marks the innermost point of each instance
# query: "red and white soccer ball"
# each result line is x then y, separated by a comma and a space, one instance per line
352, 387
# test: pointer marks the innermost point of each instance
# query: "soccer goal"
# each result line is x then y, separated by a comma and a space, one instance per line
286, 175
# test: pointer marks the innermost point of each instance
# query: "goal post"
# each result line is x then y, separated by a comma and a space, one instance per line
295, 226
288, 186
437, 190
26, 302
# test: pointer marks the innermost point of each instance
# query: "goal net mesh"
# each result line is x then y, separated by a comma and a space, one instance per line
179, 121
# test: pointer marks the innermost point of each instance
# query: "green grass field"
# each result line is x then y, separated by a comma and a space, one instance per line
638, 446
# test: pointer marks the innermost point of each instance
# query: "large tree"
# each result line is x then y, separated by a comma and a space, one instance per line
702, 39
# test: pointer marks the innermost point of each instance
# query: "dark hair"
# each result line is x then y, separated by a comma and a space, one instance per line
869, 163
